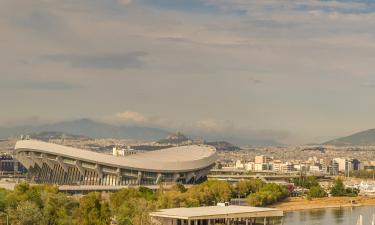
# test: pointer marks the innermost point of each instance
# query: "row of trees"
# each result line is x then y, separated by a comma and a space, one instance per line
339, 190
44, 205
316, 191
268, 194
364, 174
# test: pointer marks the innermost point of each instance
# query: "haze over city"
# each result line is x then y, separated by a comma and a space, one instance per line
294, 72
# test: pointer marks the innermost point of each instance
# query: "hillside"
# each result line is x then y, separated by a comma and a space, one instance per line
89, 128
174, 138
94, 129
223, 146
366, 137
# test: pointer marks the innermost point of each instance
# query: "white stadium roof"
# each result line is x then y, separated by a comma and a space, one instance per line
182, 158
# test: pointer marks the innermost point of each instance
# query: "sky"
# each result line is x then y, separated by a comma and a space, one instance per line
292, 71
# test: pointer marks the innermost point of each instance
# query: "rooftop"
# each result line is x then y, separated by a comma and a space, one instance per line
231, 211
180, 158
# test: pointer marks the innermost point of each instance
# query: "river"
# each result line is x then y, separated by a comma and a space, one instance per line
330, 216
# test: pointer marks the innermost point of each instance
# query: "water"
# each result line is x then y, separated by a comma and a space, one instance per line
330, 216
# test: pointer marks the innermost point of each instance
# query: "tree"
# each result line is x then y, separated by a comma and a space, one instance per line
306, 182
92, 210
3, 199
26, 213
58, 208
316, 192
339, 189
135, 212
270, 193
117, 198
246, 187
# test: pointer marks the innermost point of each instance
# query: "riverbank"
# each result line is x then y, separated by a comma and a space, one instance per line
298, 203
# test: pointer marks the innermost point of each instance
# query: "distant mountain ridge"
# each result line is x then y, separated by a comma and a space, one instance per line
174, 138
89, 128
223, 146
366, 137
94, 129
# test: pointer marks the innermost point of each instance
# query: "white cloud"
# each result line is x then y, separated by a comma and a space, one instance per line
130, 116
310, 61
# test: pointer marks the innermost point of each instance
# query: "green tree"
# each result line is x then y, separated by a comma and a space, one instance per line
117, 198
270, 193
92, 210
316, 192
135, 212
246, 187
3, 199
306, 181
26, 213
339, 189
58, 208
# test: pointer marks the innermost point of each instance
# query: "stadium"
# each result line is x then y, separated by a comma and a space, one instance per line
57, 164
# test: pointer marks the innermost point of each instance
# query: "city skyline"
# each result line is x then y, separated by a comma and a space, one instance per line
295, 72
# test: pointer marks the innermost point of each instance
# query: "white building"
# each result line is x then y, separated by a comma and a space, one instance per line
239, 164
249, 166
262, 166
262, 159
314, 169
63, 165
346, 165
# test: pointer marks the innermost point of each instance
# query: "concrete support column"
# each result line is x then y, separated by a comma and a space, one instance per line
99, 171
80, 168
176, 176
62, 164
36, 159
158, 178
119, 176
24, 160
47, 161
139, 179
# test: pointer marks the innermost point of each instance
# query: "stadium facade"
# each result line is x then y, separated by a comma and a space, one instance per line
62, 165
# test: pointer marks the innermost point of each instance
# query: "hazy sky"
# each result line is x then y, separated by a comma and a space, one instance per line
295, 71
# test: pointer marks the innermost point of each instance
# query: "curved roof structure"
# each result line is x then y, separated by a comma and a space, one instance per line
175, 159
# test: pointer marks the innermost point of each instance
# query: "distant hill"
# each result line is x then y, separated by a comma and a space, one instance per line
175, 138
47, 135
180, 138
223, 146
94, 129
89, 128
366, 137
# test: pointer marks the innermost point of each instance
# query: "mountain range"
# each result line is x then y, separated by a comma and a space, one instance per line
89, 128
94, 129
366, 137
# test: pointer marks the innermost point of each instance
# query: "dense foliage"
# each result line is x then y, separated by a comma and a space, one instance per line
44, 205
268, 194
364, 174
311, 183
41, 204
306, 181
339, 189
245, 187
316, 192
